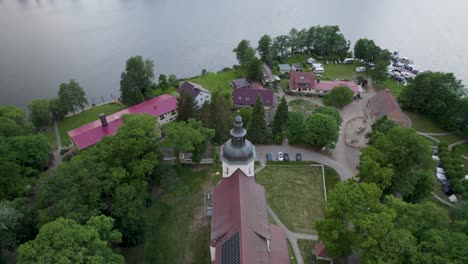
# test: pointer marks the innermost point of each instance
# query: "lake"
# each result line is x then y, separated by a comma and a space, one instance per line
46, 42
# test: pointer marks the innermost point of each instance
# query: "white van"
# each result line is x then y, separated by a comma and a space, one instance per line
348, 61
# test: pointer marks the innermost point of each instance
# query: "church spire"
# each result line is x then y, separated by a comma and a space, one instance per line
238, 133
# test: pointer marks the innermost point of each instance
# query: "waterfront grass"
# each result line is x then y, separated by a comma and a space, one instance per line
218, 82
171, 91
423, 123
296, 195
177, 229
302, 106
395, 87
82, 118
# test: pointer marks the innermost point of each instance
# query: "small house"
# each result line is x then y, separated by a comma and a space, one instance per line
296, 67
199, 94
267, 75
284, 68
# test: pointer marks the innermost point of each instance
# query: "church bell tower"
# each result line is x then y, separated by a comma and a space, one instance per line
238, 152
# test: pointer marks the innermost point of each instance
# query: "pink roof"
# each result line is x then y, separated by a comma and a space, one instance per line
329, 85
239, 213
279, 247
93, 132
248, 96
320, 250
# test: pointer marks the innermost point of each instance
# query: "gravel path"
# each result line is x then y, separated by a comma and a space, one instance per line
442, 200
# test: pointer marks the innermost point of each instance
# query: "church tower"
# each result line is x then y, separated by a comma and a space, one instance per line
238, 152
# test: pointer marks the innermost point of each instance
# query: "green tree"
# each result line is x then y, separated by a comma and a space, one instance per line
9, 219
379, 73
188, 136
173, 80
280, 120
163, 83
65, 241
339, 96
31, 153
320, 130
241, 50
281, 44
295, 127
72, 96
366, 50
246, 114
330, 111
109, 178
220, 117
257, 131
347, 202
265, 50
293, 39
14, 121
437, 95
254, 69
40, 112
57, 108
383, 125
186, 107
136, 80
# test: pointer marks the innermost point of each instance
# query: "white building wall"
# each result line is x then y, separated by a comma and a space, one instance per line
248, 169
202, 98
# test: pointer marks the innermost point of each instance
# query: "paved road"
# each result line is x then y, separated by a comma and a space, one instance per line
307, 155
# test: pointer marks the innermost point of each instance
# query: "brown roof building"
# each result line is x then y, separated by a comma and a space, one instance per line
240, 232
384, 104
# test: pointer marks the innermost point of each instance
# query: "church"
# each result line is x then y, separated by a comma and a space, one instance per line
240, 232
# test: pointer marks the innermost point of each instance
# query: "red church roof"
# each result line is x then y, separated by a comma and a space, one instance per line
93, 132
239, 225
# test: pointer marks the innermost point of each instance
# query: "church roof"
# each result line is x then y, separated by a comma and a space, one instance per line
239, 210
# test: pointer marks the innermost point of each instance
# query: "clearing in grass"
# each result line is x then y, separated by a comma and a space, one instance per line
296, 195
423, 123
302, 106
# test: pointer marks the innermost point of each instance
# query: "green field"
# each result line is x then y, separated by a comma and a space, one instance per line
74, 121
218, 82
463, 148
295, 193
303, 106
423, 123
178, 230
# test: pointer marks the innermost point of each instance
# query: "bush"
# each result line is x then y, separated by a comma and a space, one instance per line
339, 97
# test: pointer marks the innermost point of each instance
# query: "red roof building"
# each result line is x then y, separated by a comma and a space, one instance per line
321, 253
384, 104
162, 107
304, 82
240, 232
248, 96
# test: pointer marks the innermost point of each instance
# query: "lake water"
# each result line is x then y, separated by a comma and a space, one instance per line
46, 42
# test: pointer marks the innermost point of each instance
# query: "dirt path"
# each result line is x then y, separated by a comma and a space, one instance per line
442, 200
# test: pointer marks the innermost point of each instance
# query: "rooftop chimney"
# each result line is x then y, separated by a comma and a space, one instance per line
103, 119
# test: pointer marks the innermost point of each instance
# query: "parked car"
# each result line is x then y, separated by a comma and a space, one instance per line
361, 69
286, 157
269, 157
298, 157
280, 156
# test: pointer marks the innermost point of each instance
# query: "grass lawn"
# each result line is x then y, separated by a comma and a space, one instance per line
306, 247
429, 141
172, 91
339, 71
177, 230
449, 139
423, 123
395, 87
295, 193
303, 106
74, 121
218, 81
